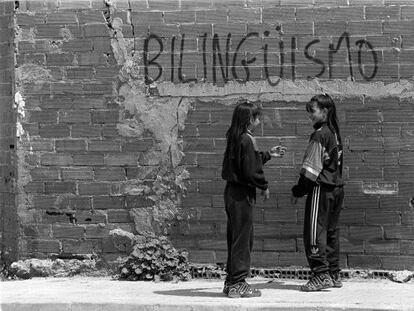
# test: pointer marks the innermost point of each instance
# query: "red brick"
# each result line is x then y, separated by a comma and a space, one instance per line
398, 27
37, 88
96, 231
121, 159
37, 231
197, 200
137, 201
280, 215
79, 73
381, 217
60, 187
382, 247
44, 246
30, 19
398, 262
105, 116
108, 202
331, 3
74, 116
110, 174
364, 261
203, 173
201, 256
200, 145
292, 259
164, 31
212, 214
399, 232
45, 202
48, 31
110, 131
118, 216
365, 232
77, 173
98, 88
402, 173
46, 116
141, 145
65, 87
56, 159
106, 73
368, 201
407, 247
97, 188
80, 247
92, 59
50, 131
70, 145
395, 202
104, 145
407, 12
88, 159
288, 245
62, 17
82, 130
366, 2
68, 231
179, 17
40, 146
212, 159
351, 246
85, 17
39, 173
101, 44
212, 244
211, 16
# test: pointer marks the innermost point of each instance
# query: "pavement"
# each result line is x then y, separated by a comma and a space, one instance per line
104, 294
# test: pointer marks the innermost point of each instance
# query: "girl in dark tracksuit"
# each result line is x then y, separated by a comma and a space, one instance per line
243, 171
321, 180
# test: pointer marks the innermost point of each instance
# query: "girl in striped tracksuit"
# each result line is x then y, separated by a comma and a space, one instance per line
321, 179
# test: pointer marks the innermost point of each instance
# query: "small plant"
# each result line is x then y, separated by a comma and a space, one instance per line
154, 258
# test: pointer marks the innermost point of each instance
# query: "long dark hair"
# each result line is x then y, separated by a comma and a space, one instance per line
326, 101
243, 114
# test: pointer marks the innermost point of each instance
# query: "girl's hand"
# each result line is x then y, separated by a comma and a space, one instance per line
266, 194
277, 151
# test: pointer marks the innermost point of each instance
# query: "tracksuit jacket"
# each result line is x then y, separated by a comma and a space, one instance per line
321, 180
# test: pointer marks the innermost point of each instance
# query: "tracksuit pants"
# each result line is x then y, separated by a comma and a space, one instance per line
321, 232
239, 202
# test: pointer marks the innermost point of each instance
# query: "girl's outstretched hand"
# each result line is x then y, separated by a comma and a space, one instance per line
277, 151
266, 194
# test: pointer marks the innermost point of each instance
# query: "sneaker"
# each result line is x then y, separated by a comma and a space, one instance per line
318, 282
226, 288
336, 279
242, 290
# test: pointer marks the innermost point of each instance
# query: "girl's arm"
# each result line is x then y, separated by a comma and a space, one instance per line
311, 168
265, 155
252, 164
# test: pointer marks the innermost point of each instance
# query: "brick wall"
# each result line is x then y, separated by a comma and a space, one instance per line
8, 216
126, 105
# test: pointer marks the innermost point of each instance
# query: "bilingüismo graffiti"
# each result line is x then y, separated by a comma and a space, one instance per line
224, 62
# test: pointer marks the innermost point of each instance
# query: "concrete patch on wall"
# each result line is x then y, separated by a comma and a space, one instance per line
380, 187
143, 116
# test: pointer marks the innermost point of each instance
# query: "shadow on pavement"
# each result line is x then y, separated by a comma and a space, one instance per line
216, 292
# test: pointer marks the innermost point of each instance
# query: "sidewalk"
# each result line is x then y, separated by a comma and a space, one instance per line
104, 294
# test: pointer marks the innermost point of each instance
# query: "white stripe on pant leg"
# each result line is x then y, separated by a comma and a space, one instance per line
318, 192
314, 214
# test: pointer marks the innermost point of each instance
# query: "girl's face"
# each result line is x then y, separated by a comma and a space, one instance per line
317, 115
254, 123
